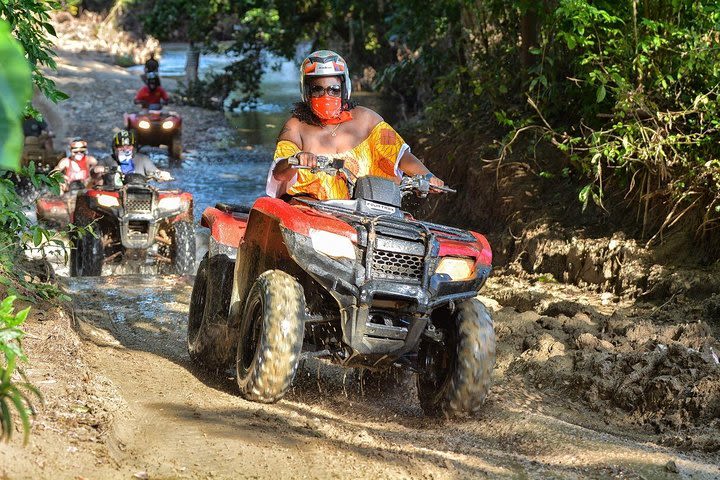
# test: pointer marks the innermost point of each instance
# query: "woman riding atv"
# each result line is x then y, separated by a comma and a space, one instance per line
125, 160
326, 123
78, 165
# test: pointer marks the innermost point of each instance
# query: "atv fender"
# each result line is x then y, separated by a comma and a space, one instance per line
226, 228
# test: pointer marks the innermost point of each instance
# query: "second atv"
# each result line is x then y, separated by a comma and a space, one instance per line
359, 281
136, 228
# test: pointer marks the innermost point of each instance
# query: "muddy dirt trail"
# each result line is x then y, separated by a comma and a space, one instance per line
173, 420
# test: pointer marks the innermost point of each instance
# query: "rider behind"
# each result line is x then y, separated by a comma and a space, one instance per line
152, 93
125, 159
151, 65
326, 123
78, 165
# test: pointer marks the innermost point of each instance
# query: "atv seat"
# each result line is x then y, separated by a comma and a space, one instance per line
232, 208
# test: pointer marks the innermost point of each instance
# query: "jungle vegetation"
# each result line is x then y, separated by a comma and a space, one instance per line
626, 90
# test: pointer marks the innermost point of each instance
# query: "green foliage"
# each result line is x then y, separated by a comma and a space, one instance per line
14, 395
30, 22
15, 91
627, 89
22, 57
18, 234
253, 29
644, 79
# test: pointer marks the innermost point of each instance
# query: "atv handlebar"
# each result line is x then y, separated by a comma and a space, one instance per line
154, 175
327, 165
421, 186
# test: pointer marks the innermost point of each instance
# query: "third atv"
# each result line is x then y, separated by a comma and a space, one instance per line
156, 127
359, 280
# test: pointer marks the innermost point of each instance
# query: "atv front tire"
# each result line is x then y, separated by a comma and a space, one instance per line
271, 337
183, 248
457, 373
86, 259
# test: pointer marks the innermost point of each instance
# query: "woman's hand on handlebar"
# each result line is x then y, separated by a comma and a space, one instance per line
435, 181
303, 160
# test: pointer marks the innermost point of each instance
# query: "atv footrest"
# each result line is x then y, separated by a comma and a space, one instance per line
232, 208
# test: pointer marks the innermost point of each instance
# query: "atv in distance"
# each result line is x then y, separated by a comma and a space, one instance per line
56, 211
360, 281
41, 151
136, 228
157, 127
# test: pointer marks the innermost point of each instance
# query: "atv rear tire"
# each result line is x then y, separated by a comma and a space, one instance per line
207, 341
88, 255
199, 345
456, 375
183, 248
271, 337
175, 148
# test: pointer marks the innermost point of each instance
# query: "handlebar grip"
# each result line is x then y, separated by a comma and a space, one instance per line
443, 189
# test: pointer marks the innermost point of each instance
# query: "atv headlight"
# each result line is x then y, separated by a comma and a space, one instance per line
144, 124
332, 244
168, 124
458, 268
169, 203
107, 201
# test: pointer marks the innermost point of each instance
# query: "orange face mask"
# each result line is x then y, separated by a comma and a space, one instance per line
326, 107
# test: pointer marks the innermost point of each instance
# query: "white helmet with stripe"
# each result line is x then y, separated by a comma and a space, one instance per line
324, 63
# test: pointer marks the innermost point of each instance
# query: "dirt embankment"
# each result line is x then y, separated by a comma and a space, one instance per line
588, 311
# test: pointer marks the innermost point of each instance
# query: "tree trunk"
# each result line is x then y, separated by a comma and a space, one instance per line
191, 64
529, 34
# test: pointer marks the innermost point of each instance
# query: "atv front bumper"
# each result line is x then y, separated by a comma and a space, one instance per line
156, 135
356, 294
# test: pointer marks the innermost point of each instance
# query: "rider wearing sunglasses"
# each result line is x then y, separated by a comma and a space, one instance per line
326, 123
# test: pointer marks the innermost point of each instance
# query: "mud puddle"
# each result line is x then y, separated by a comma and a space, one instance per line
181, 422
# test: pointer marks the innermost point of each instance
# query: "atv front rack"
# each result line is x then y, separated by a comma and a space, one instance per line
442, 231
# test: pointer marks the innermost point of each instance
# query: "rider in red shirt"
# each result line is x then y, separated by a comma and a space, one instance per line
152, 93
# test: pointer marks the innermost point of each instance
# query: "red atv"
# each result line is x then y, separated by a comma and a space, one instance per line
157, 127
358, 280
136, 226
56, 211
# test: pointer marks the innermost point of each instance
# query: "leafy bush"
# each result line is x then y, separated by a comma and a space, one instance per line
28, 20
14, 395
628, 90
643, 79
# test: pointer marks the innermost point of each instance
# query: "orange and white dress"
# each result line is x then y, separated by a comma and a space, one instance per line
378, 155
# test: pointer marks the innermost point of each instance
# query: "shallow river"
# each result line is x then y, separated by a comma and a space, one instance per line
236, 173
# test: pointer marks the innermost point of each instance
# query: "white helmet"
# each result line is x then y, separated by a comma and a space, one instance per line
324, 63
